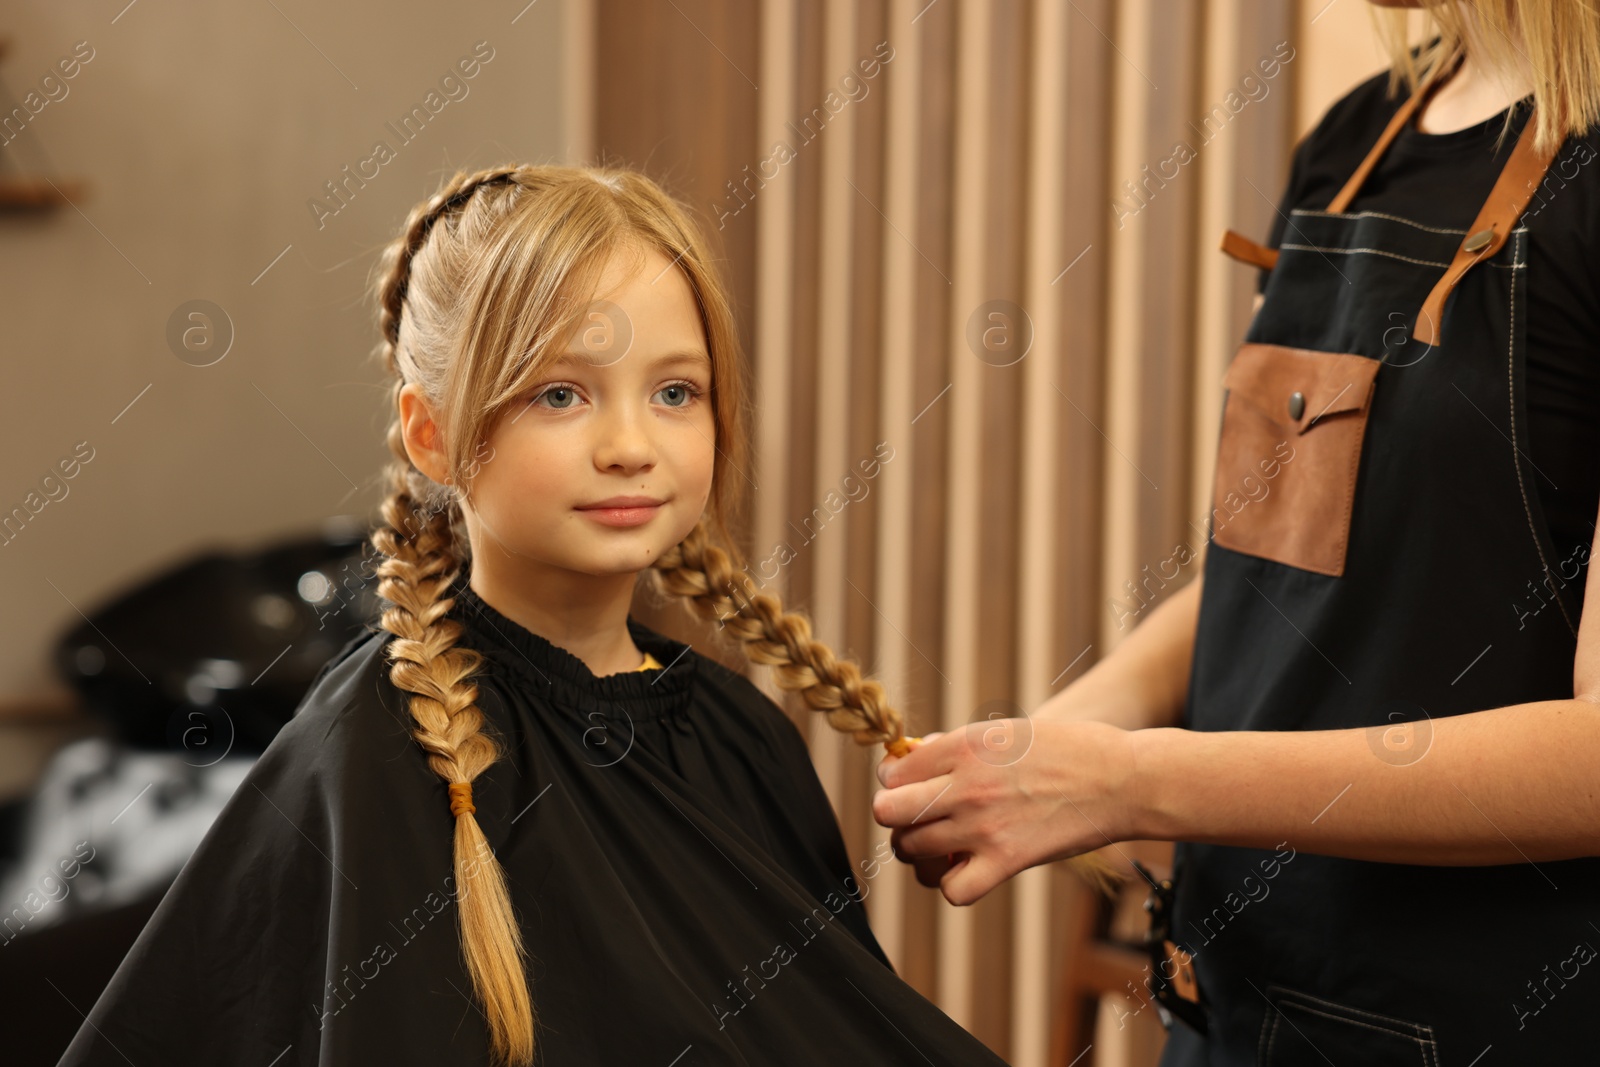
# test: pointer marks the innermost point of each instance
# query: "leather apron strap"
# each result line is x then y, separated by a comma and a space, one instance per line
1521, 175
1519, 179
1249, 252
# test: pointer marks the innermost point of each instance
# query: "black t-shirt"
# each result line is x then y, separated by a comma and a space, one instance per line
1443, 180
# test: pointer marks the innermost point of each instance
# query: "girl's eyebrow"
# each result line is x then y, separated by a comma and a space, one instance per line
682, 357
695, 357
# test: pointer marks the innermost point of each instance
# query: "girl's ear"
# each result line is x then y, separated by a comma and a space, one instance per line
423, 440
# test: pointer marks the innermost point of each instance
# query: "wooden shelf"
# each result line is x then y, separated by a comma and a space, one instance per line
36, 194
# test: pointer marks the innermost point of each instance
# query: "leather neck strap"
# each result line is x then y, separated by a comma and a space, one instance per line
1519, 179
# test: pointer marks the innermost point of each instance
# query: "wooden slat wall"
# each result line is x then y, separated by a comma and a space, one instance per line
979, 570
1046, 254
969, 490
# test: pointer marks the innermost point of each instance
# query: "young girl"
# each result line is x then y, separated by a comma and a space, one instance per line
515, 823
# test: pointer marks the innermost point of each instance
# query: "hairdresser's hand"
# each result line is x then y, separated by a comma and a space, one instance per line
930, 870
973, 807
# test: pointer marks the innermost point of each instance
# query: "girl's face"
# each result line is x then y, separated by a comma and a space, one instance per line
606, 462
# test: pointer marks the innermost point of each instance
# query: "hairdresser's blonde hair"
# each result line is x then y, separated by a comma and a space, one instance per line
482, 289
1555, 42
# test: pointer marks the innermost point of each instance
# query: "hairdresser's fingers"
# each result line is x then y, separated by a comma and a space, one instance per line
930, 840
931, 870
915, 743
971, 878
936, 754
914, 803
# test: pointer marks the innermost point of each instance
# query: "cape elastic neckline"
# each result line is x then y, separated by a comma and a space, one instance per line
553, 673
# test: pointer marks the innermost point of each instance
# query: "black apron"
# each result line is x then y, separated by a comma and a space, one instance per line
1379, 559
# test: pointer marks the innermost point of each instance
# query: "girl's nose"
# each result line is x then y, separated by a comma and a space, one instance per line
624, 440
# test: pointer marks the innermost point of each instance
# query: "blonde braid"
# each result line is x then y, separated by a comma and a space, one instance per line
421, 560
703, 573
399, 254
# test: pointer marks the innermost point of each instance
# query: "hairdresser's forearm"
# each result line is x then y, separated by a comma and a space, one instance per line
1143, 681
1509, 785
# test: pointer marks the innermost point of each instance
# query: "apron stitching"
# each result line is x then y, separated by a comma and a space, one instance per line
1300, 995
1373, 251
1516, 459
1350, 484
1375, 215
1418, 1038
1422, 1034
1517, 262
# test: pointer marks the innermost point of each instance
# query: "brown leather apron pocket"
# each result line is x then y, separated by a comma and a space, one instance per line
1288, 454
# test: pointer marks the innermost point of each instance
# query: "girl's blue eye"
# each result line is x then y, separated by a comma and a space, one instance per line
564, 397
685, 391
555, 390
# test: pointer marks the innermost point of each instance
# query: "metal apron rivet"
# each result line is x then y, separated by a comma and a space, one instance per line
1297, 405
1478, 241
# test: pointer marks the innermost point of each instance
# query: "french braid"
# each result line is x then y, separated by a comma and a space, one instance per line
420, 545
704, 575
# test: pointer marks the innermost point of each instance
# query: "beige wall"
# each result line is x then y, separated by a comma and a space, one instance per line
202, 130
1341, 50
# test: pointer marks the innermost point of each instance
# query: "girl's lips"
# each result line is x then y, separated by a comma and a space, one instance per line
629, 516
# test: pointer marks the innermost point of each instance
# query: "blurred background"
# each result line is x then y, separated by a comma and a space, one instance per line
977, 237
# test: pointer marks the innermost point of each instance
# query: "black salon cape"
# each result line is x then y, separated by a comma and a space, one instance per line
683, 889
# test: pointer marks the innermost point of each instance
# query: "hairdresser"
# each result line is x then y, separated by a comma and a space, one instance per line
1372, 722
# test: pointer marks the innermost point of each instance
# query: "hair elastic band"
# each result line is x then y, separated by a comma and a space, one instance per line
461, 798
902, 746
